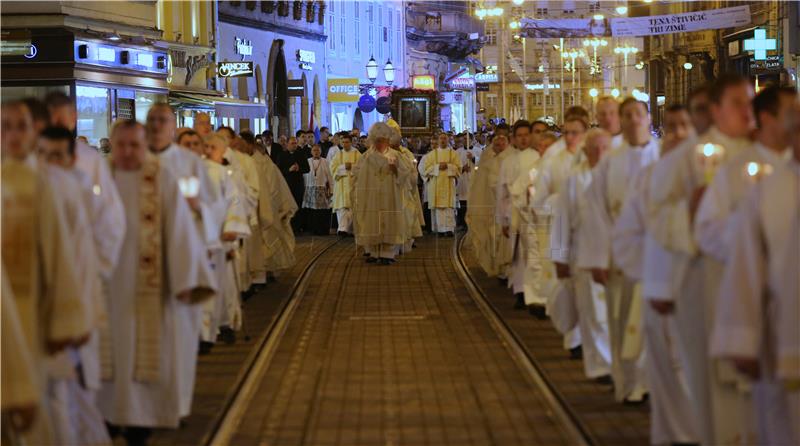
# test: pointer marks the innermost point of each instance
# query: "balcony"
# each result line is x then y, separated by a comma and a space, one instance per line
301, 18
443, 27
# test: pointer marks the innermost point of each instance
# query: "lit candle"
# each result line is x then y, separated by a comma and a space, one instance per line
96, 189
710, 158
189, 186
754, 171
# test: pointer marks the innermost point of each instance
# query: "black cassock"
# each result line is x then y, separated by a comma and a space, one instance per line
295, 179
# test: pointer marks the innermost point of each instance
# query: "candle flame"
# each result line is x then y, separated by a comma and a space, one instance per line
96, 189
753, 169
709, 149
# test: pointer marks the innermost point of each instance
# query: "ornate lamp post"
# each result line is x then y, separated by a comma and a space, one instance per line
372, 70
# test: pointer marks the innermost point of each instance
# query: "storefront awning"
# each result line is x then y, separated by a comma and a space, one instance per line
222, 106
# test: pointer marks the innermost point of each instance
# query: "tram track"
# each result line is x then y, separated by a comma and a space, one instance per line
525, 359
224, 426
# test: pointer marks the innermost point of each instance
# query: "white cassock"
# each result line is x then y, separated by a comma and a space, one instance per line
412, 207
759, 301
611, 180
568, 211
224, 309
257, 263
673, 182
276, 209
184, 164
441, 186
246, 178
38, 259
467, 170
144, 381
332, 152
342, 187
552, 173
514, 211
75, 418
489, 245
641, 258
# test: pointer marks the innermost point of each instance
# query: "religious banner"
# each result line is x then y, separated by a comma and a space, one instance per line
681, 23
637, 26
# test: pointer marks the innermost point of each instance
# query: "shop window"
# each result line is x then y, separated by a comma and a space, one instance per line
143, 102
94, 112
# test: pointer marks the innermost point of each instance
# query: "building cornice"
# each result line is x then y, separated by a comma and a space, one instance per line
78, 23
272, 27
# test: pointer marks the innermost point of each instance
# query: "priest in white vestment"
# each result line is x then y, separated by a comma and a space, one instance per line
37, 257
642, 260
611, 181
678, 183
190, 172
277, 207
342, 164
518, 226
412, 207
552, 175
489, 245
163, 266
469, 158
568, 210
756, 326
379, 179
441, 167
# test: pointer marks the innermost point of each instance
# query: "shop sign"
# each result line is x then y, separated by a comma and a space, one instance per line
296, 88
700, 40
486, 78
244, 47
451, 97
235, 69
343, 90
772, 63
541, 86
307, 59
481, 87
463, 82
423, 82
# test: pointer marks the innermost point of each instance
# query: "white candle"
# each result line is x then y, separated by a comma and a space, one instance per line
189, 186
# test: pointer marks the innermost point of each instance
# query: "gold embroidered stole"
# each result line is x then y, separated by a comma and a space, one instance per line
149, 280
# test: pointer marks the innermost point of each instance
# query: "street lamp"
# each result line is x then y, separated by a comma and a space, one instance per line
519, 2
688, 66
622, 10
372, 70
482, 13
593, 92
615, 92
625, 50
388, 72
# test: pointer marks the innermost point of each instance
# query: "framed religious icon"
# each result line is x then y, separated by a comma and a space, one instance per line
416, 111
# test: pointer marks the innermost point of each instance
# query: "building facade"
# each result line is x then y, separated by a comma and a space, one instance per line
106, 54
443, 39
284, 42
533, 78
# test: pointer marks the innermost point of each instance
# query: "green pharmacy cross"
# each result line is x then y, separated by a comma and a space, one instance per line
759, 44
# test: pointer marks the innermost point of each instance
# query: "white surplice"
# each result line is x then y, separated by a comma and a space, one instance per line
716, 407
567, 210
639, 256
468, 168
611, 181
124, 400
759, 301
184, 164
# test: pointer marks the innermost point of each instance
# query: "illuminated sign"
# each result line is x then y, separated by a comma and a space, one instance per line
106, 54
541, 86
244, 47
144, 59
295, 88
464, 81
32, 53
486, 78
235, 69
423, 82
306, 59
343, 90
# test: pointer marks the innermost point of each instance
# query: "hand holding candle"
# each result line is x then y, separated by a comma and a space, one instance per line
710, 156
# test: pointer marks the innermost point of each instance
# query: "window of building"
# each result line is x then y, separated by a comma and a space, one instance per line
379, 30
541, 12
398, 42
568, 7
594, 7
491, 101
357, 35
491, 33
93, 105
342, 33
388, 34
371, 29
516, 100
331, 32
537, 99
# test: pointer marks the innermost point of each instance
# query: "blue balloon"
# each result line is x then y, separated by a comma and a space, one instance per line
384, 104
366, 103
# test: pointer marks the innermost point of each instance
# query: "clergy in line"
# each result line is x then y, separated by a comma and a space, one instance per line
37, 257
679, 181
756, 327
380, 176
641, 258
441, 167
342, 164
606, 194
163, 266
469, 158
486, 236
412, 208
567, 229
515, 215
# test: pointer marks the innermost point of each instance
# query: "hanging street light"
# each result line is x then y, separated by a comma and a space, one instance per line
388, 72
622, 10
625, 50
372, 70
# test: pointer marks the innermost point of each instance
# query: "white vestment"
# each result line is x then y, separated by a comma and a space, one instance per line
567, 223
123, 399
717, 407
637, 254
611, 181
759, 301
441, 187
467, 170
184, 164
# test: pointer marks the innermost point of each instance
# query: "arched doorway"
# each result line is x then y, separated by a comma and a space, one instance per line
277, 92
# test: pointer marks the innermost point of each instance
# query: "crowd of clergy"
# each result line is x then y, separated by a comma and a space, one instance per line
671, 265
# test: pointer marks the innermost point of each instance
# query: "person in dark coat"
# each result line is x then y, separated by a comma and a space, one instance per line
293, 165
273, 149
